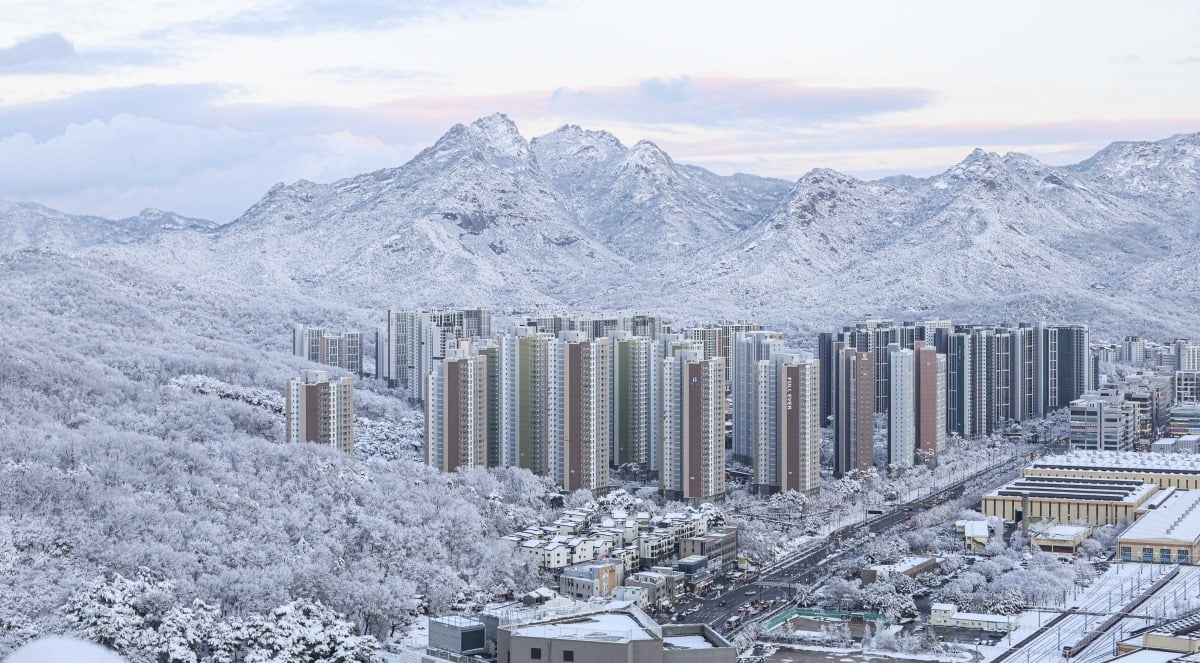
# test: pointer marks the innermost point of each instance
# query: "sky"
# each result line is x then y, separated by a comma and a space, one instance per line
199, 107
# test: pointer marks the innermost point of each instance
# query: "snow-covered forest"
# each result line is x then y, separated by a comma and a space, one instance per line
141, 465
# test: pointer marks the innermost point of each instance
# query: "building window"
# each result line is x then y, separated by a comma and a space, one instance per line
1182, 558
1147, 554
535, 653
568, 655
1164, 555
1126, 554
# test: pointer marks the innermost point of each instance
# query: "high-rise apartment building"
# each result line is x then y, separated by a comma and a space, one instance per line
902, 406
456, 410
633, 383
344, 351
413, 340
320, 410
930, 392
692, 423
748, 349
854, 410
580, 411
786, 451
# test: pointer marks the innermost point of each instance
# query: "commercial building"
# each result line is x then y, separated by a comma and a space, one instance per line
457, 635
1187, 386
1053, 537
786, 447
911, 566
692, 427
719, 546
1168, 534
1184, 419
344, 351
456, 411
626, 634
320, 410
854, 411
1102, 421
1067, 500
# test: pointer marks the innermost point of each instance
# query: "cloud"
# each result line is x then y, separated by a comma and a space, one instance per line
52, 53
1192, 60
120, 166
731, 101
312, 16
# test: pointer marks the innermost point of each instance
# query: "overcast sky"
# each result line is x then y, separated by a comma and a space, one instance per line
198, 107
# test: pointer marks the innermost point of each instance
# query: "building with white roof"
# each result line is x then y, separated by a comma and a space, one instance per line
1096, 501
947, 614
1171, 470
1168, 534
625, 634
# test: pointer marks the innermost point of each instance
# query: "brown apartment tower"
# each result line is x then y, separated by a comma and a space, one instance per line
930, 393
320, 410
456, 410
854, 410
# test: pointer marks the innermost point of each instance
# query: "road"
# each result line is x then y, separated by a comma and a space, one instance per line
809, 565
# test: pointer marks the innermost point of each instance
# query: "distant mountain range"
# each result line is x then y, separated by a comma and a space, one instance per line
576, 220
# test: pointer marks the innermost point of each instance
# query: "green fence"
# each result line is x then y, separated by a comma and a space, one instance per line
848, 615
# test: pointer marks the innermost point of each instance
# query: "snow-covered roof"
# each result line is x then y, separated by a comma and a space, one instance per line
687, 642
974, 527
1121, 461
1060, 532
1177, 521
944, 606
1115, 490
614, 627
983, 617
906, 564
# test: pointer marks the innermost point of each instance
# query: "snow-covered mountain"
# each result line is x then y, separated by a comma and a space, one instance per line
575, 219
25, 225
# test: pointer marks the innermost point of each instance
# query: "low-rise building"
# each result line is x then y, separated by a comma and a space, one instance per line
975, 533
1068, 499
597, 578
909, 566
1184, 419
1056, 538
619, 635
720, 546
1168, 534
947, 614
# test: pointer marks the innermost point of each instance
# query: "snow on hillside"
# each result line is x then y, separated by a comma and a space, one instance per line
576, 219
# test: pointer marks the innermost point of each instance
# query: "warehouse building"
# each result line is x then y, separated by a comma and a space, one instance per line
1165, 470
1168, 534
1069, 499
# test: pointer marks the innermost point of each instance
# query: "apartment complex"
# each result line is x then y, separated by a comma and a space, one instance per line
320, 410
344, 351
412, 340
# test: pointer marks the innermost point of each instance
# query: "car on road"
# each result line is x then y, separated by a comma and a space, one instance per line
751, 592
